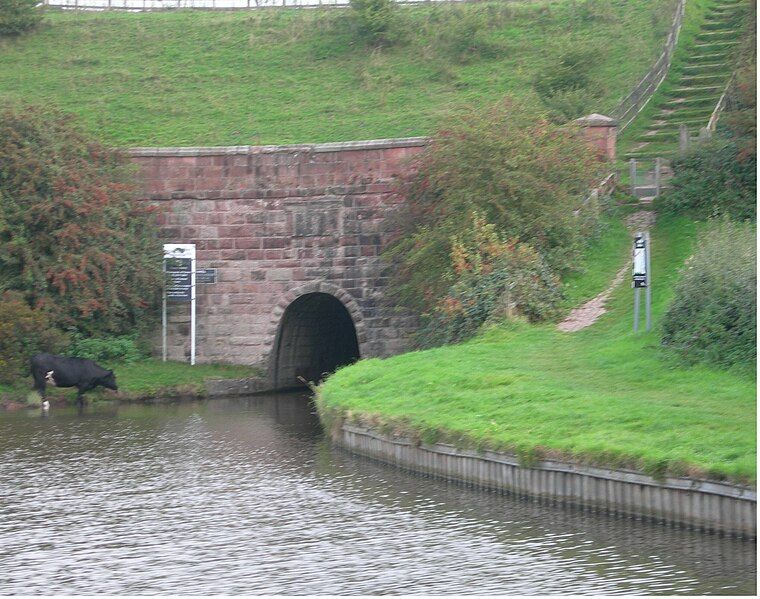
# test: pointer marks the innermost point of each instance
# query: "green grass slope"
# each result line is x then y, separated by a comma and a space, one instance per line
601, 395
284, 76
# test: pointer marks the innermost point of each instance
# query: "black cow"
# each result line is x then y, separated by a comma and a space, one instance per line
70, 372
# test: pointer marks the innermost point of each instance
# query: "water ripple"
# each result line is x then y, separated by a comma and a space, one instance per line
246, 496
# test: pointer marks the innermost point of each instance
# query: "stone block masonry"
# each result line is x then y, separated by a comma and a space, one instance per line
279, 222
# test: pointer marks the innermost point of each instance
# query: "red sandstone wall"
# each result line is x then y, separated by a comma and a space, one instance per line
277, 222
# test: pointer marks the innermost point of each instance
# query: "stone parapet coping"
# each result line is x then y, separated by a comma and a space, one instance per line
370, 144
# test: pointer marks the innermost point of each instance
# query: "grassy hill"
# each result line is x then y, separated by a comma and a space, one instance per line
284, 76
601, 395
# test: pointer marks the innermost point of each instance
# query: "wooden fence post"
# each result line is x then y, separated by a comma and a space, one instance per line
683, 139
657, 174
633, 176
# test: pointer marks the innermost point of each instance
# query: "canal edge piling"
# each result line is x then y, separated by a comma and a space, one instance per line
711, 506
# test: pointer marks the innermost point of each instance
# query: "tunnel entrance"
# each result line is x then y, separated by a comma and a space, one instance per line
316, 336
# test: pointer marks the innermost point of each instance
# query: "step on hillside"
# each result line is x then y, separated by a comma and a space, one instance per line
695, 88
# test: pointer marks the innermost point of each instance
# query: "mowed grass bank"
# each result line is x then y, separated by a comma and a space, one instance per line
144, 379
292, 76
601, 395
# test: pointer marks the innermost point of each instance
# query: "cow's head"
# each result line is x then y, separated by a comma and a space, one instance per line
109, 381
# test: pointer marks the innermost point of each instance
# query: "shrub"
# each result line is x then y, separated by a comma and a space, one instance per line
493, 279
108, 349
598, 11
566, 86
713, 180
464, 34
18, 16
374, 19
522, 174
23, 333
74, 240
713, 316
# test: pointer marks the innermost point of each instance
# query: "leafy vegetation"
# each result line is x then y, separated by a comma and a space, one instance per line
292, 76
601, 395
74, 240
125, 349
713, 316
23, 333
517, 171
375, 19
714, 180
567, 88
18, 16
493, 279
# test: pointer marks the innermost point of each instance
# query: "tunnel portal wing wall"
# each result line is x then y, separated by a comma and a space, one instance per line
275, 222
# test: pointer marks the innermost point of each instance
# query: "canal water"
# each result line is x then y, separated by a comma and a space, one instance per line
248, 496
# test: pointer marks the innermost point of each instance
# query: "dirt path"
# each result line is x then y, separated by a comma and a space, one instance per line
587, 314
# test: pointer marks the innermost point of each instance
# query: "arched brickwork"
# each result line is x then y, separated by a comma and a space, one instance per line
313, 329
315, 336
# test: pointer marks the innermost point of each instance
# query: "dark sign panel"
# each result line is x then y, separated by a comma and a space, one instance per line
179, 264
205, 275
178, 279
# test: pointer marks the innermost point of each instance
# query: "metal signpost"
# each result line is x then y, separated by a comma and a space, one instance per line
641, 278
179, 285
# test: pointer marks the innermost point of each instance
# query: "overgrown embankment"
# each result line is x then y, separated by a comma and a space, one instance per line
281, 76
599, 396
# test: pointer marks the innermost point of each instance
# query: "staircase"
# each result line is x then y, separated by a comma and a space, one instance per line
695, 87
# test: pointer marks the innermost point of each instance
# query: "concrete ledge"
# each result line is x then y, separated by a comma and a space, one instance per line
707, 505
371, 144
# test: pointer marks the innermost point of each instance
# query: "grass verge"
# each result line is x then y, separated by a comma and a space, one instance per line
285, 76
599, 396
142, 380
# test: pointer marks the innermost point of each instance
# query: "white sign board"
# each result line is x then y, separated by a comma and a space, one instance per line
640, 261
179, 286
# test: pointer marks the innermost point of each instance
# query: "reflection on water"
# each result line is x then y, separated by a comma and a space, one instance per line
246, 496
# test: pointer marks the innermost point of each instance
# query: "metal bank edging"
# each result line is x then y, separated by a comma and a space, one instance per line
713, 506
628, 476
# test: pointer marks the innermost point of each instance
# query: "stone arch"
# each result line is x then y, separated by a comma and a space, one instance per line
313, 329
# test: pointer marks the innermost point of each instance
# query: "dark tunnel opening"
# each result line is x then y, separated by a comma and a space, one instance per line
316, 336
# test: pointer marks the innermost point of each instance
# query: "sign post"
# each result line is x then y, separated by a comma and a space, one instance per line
641, 278
179, 285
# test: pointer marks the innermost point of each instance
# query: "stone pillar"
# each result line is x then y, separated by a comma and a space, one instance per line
601, 133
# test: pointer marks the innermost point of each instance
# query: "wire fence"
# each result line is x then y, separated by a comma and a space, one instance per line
145, 5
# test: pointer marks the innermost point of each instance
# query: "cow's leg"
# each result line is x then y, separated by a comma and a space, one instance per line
81, 389
40, 383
